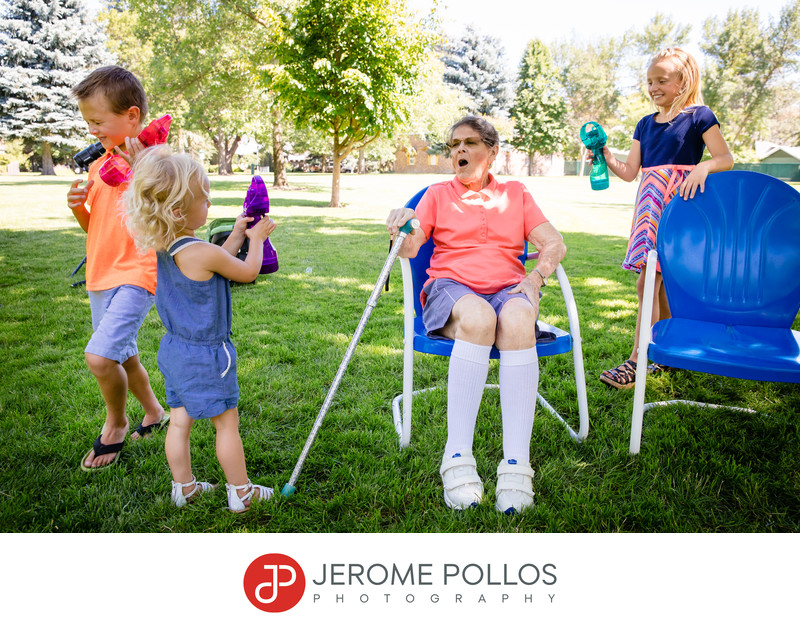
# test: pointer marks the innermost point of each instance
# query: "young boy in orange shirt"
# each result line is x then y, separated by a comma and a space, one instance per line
120, 279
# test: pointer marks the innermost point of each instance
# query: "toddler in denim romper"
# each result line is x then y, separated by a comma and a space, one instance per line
167, 201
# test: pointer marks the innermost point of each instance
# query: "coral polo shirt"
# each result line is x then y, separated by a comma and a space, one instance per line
478, 236
112, 258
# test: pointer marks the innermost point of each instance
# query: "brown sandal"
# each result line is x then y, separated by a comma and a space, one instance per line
622, 377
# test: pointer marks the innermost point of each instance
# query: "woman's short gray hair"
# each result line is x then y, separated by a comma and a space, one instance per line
485, 129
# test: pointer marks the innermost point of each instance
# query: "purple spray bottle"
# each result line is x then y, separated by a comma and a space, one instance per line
256, 205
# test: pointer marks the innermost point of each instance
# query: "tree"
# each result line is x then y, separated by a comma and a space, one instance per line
747, 63
45, 49
200, 71
131, 52
436, 105
661, 32
474, 64
267, 18
304, 139
539, 111
590, 75
348, 68
783, 123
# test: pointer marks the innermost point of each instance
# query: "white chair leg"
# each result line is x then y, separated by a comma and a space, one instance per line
401, 412
699, 404
577, 356
645, 333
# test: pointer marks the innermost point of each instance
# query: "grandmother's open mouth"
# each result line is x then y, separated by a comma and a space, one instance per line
463, 162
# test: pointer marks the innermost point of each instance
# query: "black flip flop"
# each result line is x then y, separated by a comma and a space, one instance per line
101, 449
143, 430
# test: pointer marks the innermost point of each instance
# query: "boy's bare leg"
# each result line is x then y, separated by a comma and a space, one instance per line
139, 385
113, 382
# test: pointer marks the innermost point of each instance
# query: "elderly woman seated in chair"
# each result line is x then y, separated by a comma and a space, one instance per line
479, 295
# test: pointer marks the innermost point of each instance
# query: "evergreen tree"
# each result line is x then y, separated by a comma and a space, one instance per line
46, 47
474, 64
539, 111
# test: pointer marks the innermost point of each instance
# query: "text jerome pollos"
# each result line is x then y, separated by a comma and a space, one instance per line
482, 582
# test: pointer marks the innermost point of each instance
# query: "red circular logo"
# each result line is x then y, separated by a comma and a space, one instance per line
274, 583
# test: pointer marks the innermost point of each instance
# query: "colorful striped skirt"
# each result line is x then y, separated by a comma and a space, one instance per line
658, 186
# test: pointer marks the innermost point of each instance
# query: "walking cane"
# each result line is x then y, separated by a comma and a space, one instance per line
410, 225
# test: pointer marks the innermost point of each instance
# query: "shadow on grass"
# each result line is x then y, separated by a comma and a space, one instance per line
273, 202
240, 182
45, 180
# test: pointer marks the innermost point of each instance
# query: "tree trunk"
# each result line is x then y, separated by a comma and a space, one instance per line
225, 152
362, 162
219, 143
530, 163
337, 171
47, 159
232, 152
278, 160
324, 166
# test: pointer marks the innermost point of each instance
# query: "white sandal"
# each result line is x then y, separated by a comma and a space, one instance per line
255, 491
180, 500
514, 487
463, 487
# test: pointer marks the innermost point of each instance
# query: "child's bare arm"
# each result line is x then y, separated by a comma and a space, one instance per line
721, 160
629, 169
76, 200
245, 271
235, 239
202, 261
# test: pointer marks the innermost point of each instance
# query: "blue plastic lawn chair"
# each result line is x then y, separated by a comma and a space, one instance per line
730, 262
415, 339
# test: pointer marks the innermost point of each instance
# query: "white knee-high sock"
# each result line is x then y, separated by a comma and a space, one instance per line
469, 366
519, 384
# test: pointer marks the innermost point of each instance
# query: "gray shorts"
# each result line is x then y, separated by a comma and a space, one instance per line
442, 294
117, 315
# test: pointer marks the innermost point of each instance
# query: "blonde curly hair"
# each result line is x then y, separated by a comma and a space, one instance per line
158, 195
688, 75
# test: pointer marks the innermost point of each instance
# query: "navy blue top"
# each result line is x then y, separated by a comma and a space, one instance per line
679, 141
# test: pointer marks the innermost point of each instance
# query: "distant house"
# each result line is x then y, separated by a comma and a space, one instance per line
768, 153
776, 160
414, 158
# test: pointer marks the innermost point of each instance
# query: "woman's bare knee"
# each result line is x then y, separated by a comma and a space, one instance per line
473, 320
516, 328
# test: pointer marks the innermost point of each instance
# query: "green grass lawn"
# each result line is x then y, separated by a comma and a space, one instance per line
698, 470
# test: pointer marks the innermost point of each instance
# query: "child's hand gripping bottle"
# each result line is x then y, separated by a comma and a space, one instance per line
116, 169
256, 205
594, 138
